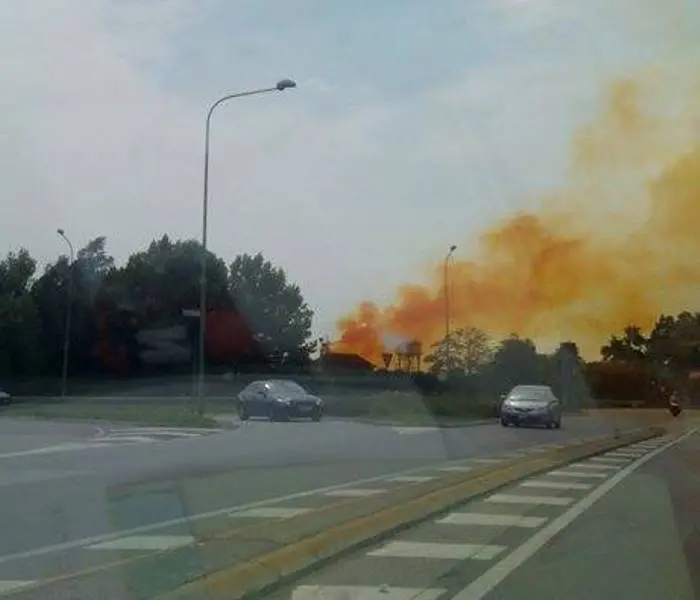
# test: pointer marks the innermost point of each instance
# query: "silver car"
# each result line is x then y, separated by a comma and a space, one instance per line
278, 400
531, 405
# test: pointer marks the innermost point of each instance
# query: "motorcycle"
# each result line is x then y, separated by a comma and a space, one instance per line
675, 408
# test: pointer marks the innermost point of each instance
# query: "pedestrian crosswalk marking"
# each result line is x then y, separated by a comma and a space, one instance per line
410, 479
588, 465
494, 520
404, 549
145, 542
605, 459
364, 592
456, 469
270, 512
580, 474
555, 485
11, 585
518, 499
354, 492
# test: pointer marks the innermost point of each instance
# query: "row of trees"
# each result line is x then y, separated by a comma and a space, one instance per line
635, 366
474, 363
255, 312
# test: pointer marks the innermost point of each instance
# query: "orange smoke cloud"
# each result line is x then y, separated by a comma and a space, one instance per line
618, 245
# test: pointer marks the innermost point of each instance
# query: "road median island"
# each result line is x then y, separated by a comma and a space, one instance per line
292, 559
234, 563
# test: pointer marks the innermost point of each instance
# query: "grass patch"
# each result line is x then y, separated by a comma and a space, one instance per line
141, 414
410, 408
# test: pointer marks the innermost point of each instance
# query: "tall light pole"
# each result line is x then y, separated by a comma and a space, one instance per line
69, 308
279, 87
447, 308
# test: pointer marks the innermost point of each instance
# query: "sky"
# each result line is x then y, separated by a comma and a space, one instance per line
414, 125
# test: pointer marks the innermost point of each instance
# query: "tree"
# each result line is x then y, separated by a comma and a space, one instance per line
568, 377
517, 362
273, 308
19, 321
466, 350
674, 342
631, 345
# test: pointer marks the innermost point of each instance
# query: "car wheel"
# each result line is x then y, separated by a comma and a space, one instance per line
243, 414
316, 417
504, 422
557, 424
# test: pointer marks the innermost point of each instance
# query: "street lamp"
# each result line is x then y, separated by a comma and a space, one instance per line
447, 308
279, 87
66, 334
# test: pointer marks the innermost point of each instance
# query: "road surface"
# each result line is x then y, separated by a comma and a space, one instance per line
624, 526
68, 487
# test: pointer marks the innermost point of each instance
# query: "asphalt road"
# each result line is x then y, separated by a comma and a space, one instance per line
623, 526
66, 486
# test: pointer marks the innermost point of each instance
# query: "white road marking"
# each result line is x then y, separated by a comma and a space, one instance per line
414, 430
145, 542
103, 537
13, 585
270, 512
486, 582
598, 466
402, 549
496, 520
362, 592
355, 493
456, 469
518, 499
555, 485
612, 461
486, 461
626, 455
411, 479
580, 474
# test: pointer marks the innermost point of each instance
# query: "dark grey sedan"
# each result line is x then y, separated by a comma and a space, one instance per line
278, 400
531, 405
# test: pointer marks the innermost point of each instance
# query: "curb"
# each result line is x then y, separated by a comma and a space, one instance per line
278, 567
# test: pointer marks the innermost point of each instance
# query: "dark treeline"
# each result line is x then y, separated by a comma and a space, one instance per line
129, 319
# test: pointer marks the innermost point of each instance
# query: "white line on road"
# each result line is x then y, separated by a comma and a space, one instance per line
493, 520
145, 542
13, 586
355, 492
364, 592
598, 466
103, 537
456, 469
555, 485
485, 583
270, 512
410, 479
518, 499
402, 549
611, 461
581, 474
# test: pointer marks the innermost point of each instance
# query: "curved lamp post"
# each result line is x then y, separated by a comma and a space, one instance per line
282, 85
69, 308
447, 307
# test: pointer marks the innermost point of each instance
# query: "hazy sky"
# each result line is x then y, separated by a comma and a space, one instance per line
414, 125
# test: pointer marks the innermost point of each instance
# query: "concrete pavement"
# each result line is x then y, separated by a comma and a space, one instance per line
60, 502
624, 526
